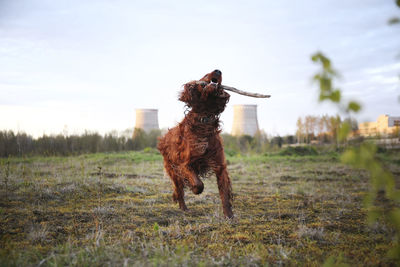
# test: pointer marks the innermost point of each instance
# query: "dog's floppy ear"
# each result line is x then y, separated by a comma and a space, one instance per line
189, 93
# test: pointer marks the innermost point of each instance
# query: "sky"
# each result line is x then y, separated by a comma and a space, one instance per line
68, 66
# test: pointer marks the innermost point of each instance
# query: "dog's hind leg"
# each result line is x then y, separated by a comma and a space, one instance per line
225, 190
224, 184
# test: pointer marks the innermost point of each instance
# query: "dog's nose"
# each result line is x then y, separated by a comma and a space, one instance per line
218, 72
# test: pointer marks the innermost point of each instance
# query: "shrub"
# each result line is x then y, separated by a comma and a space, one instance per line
299, 151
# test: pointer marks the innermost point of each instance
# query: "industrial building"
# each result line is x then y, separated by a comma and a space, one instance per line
385, 125
244, 120
147, 119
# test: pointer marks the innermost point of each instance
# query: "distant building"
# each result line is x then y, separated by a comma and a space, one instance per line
147, 119
385, 125
245, 120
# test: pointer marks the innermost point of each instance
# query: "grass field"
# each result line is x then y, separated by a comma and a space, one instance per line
116, 209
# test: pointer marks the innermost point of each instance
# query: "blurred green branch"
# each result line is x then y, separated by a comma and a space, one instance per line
383, 200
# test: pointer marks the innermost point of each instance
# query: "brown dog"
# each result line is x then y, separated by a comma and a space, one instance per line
194, 147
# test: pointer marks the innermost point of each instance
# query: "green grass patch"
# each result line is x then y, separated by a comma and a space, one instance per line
300, 209
299, 151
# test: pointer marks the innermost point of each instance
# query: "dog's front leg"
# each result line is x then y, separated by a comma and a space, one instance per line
196, 185
178, 194
177, 183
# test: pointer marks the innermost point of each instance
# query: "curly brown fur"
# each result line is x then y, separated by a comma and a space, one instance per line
194, 147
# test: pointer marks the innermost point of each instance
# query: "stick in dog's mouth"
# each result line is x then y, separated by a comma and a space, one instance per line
232, 89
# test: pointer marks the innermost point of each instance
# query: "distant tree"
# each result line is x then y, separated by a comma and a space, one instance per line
152, 138
352, 122
110, 142
24, 144
277, 141
313, 126
332, 124
8, 143
289, 139
307, 127
139, 139
259, 142
231, 143
245, 143
310, 123
320, 128
300, 130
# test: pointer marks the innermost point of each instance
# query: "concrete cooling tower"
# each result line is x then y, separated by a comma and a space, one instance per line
244, 120
147, 119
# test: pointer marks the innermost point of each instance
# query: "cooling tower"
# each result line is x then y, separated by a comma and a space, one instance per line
147, 119
244, 120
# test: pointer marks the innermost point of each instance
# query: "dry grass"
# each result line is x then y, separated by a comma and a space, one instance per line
288, 211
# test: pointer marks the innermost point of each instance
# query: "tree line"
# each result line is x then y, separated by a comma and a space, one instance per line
324, 129
22, 144
321, 128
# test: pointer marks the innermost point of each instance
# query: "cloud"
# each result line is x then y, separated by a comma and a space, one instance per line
387, 68
115, 56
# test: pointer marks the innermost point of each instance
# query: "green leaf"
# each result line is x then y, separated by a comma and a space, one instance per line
325, 84
335, 96
353, 106
344, 131
156, 227
326, 63
317, 77
393, 20
317, 56
348, 157
323, 97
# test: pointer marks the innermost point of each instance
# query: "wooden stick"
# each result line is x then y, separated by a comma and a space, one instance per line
232, 89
